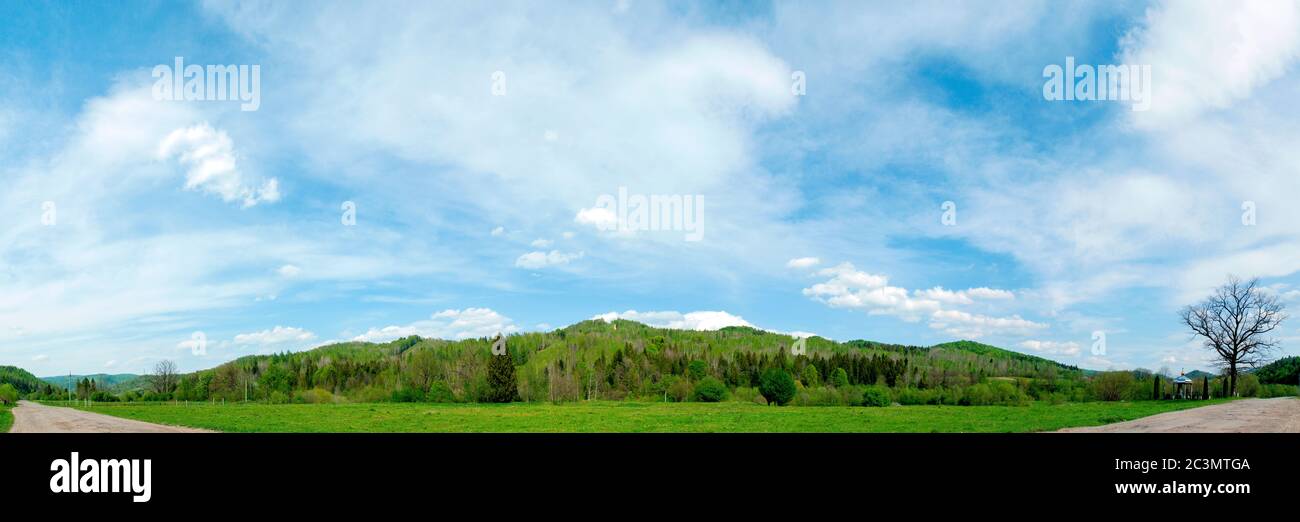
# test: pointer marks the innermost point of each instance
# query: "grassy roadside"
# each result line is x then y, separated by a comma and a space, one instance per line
6, 419
634, 417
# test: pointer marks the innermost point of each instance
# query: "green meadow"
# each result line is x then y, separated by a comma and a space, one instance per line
613, 416
6, 419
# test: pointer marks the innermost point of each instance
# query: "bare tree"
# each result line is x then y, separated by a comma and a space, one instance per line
164, 376
1235, 322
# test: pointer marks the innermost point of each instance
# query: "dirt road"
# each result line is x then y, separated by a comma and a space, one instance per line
1243, 416
30, 417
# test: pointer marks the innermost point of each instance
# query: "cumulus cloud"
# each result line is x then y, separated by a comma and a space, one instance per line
536, 260
803, 262
447, 324
701, 320
599, 217
289, 271
277, 335
209, 155
704, 320
541, 243
848, 287
1051, 347
969, 296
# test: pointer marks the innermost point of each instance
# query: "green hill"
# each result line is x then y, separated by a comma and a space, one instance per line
1282, 371
120, 381
624, 359
21, 379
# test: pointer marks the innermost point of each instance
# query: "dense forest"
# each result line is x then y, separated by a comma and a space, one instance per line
1282, 371
625, 360
20, 379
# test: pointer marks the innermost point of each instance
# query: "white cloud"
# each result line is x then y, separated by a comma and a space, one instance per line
849, 287
944, 296
447, 324
41, 358
700, 321
963, 297
973, 326
1208, 55
990, 293
277, 335
803, 262
1102, 363
704, 320
599, 217
536, 260
541, 243
210, 156
498, 231
289, 271
1069, 348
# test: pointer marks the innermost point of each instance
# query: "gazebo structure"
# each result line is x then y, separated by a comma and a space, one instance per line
1182, 386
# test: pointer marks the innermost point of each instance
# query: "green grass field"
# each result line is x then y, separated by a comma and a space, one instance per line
634, 417
6, 419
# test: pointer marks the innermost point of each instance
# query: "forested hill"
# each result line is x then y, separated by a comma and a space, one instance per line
19, 378
1282, 371
104, 381
608, 360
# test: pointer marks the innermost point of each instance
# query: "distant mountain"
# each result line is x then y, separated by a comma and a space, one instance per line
21, 379
1197, 375
111, 382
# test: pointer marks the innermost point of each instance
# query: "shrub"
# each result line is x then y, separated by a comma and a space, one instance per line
1111, 386
710, 389
777, 386
747, 394
678, 390
913, 396
8, 394
811, 377
876, 396
697, 369
440, 392
316, 396
408, 395
1247, 385
839, 377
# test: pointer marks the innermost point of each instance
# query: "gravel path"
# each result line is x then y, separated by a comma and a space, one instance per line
30, 417
1280, 415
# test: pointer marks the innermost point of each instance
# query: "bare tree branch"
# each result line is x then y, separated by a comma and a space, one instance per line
1235, 322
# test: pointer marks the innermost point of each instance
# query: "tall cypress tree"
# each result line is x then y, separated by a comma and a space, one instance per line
502, 386
1155, 389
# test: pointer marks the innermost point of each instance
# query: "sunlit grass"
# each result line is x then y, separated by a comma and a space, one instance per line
634, 417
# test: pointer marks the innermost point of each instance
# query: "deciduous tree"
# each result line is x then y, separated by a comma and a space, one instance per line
1235, 323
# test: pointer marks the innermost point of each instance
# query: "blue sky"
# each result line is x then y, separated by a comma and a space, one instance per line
476, 196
